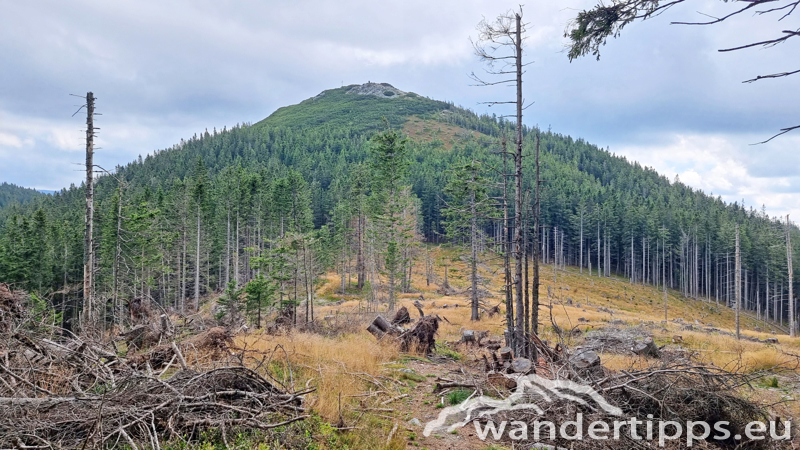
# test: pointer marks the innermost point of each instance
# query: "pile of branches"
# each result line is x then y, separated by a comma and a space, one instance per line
59, 390
672, 389
682, 391
141, 411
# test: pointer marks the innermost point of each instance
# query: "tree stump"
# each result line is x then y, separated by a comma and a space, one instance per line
585, 359
506, 355
522, 366
468, 337
645, 347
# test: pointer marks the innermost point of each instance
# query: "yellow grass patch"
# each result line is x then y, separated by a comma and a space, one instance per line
336, 366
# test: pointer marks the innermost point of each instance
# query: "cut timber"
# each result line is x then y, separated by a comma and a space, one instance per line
522, 366
380, 327
442, 386
645, 347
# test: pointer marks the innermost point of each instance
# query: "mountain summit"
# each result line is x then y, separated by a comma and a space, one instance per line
377, 89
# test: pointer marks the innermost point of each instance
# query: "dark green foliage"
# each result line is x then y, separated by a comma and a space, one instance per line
260, 295
307, 172
592, 27
11, 193
230, 304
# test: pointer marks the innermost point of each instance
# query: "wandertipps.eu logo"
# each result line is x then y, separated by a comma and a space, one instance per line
528, 387
534, 394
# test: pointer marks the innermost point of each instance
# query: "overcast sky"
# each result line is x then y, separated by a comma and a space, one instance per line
163, 70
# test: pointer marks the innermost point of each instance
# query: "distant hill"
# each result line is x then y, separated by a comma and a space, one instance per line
11, 193
595, 205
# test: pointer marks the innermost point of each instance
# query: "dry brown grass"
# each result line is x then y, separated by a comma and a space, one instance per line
334, 365
429, 130
343, 364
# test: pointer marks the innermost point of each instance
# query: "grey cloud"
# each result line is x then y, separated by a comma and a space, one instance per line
165, 70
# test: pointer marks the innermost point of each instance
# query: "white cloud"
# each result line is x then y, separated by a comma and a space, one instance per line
9, 140
162, 71
722, 165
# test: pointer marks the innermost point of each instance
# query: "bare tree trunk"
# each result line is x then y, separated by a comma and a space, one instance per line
474, 256
182, 294
738, 289
518, 256
197, 266
360, 266
506, 256
308, 266
766, 298
580, 263
599, 250
228, 251
117, 253
632, 263
664, 277
536, 216
728, 280
789, 264
89, 321
696, 267
236, 253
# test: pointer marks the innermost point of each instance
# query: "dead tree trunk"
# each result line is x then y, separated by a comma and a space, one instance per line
580, 263
536, 216
506, 32
738, 288
474, 247
117, 254
197, 266
89, 311
789, 264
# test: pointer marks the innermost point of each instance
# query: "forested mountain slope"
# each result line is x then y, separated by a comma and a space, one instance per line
187, 220
11, 193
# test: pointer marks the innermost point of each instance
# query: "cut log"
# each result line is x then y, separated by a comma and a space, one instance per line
522, 366
645, 347
380, 327
442, 386
585, 359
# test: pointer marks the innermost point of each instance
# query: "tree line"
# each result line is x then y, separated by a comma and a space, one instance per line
281, 202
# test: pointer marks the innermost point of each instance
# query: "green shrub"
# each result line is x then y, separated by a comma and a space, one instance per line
458, 396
